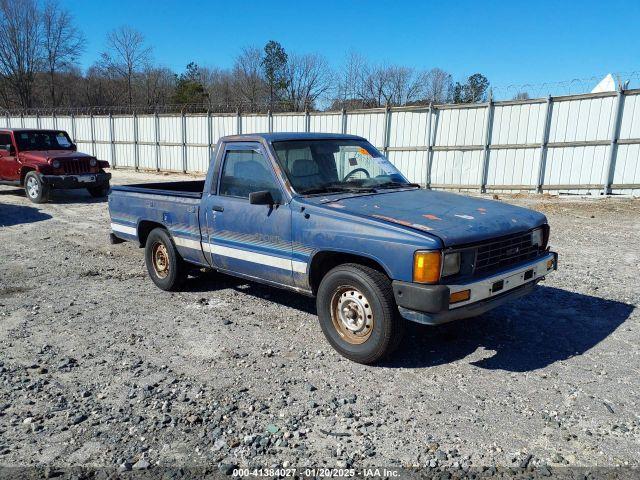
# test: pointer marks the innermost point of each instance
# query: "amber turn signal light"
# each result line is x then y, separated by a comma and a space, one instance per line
426, 267
462, 296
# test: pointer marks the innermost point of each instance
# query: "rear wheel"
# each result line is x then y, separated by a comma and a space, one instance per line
166, 267
358, 314
99, 191
35, 189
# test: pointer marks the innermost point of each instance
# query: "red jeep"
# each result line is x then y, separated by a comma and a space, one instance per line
40, 160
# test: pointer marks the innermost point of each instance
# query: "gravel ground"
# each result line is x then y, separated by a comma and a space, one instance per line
100, 368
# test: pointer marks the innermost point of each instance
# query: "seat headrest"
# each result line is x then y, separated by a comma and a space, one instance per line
304, 168
250, 170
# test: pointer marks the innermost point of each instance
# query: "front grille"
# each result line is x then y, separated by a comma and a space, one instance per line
505, 252
75, 167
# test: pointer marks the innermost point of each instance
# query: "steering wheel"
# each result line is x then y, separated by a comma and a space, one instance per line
360, 169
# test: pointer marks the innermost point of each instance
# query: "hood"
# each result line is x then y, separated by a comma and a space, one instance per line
45, 155
455, 219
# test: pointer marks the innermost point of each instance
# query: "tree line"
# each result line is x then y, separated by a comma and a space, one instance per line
40, 47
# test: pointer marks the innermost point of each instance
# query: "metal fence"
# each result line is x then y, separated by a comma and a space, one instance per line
570, 144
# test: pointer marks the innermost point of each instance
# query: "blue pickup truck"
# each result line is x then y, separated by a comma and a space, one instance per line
329, 216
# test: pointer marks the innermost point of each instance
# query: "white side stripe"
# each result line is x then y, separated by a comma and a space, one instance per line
117, 227
254, 257
187, 243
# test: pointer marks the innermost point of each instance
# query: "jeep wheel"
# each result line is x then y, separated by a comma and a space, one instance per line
166, 267
36, 191
358, 314
99, 191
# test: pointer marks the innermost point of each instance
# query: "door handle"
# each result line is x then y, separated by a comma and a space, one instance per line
217, 208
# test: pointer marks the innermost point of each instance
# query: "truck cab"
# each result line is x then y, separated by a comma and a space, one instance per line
41, 160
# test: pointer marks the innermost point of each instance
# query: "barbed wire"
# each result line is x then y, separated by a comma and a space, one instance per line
564, 87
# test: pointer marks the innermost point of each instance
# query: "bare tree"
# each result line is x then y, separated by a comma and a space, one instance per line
20, 52
521, 96
63, 42
126, 55
308, 78
438, 85
159, 83
249, 83
350, 82
220, 86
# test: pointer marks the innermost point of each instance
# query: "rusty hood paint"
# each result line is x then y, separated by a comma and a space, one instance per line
455, 219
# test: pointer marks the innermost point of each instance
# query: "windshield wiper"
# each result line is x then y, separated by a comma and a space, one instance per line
397, 185
336, 189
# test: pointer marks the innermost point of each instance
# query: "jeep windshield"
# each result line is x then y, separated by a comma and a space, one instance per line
43, 140
336, 165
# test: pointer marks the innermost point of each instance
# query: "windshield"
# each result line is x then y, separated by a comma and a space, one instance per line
39, 140
336, 165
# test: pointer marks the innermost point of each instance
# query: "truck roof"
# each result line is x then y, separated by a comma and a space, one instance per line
286, 136
27, 129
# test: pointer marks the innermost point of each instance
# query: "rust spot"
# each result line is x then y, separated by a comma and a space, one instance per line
334, 205
430, 216
482, 210
394, 220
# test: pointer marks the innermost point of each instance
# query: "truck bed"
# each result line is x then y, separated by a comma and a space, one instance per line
175, 206
189, 188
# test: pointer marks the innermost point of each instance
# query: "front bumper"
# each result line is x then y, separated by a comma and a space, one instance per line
429, 304
76, 181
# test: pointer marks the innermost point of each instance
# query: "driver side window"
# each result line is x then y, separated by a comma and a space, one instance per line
5, 142
244, 172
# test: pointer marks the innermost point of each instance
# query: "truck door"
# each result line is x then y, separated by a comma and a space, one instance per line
8, 163
251, 240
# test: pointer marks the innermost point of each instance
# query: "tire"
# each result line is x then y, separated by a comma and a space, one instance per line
166, 267
99, 191
35, 190
369, 327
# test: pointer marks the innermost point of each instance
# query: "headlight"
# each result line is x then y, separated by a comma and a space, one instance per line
55, 164
451, 264
537, 237
426, 267
93, 162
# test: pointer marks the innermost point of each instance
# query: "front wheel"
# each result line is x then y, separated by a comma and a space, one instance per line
100, 191
166, 267
358, 314
35, 189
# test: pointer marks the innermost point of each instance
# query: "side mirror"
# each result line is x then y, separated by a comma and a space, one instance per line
6, 149
262, 197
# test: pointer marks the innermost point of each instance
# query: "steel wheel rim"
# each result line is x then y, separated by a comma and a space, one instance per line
352, 315
32, 187
160, 259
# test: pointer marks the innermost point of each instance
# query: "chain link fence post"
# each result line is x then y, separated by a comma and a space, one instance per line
387, 129
93, 135
136, 152
344, 121
542, 163
486, 150
112, 141
210, 134
156, 137
613, 146
184, 142
427, 178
